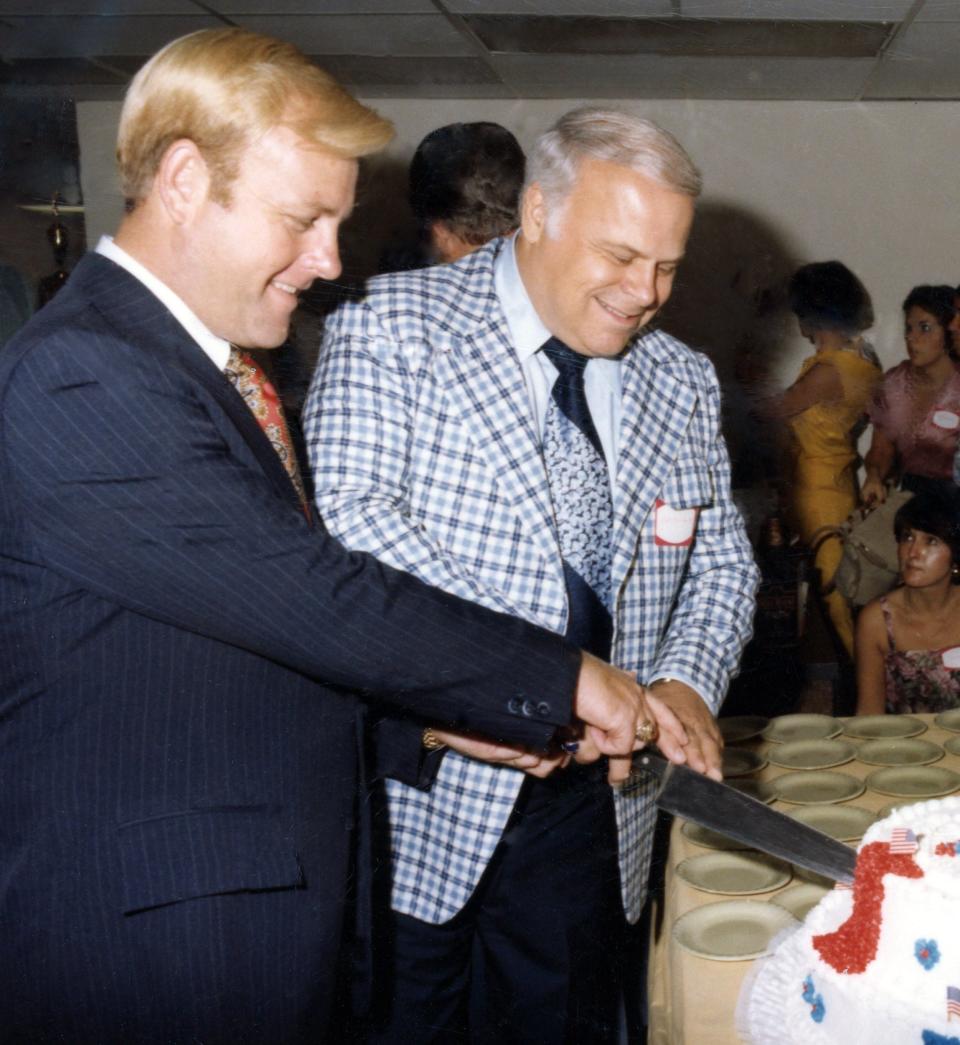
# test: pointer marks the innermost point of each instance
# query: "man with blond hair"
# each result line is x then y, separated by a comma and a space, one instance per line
536, 447
183, 838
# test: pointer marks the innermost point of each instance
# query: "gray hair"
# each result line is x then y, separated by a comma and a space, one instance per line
615, 137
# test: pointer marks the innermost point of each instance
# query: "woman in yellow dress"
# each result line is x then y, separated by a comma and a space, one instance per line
824, 409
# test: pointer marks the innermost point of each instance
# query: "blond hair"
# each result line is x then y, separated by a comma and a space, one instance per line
223, 89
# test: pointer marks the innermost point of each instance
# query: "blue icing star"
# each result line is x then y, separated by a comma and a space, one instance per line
807, 994
927, 953
930, 1037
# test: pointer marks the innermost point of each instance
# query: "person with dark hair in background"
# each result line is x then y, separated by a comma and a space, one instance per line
908, 641
824, 408
916, 412
465, 182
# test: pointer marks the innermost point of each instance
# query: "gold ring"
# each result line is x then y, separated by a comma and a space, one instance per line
647, 731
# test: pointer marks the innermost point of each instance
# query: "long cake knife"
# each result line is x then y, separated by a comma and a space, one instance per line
721, 808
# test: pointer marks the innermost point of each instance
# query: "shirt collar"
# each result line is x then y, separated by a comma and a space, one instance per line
215, 347
527, 331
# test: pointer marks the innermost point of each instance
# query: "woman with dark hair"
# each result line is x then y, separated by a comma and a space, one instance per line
916, 414
908, 641
823, 409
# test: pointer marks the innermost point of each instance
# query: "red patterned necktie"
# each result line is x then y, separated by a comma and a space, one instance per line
249, 379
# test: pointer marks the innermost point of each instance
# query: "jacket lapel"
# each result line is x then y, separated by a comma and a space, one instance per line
657, 410
483, 382
146, 322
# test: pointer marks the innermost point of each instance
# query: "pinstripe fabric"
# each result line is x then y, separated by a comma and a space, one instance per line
423, 453
178, 743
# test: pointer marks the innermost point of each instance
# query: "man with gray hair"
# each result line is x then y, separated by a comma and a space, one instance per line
509, 428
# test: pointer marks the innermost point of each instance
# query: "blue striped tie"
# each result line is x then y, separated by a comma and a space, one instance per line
582, 501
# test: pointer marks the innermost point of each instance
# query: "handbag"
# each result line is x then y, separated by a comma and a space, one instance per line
869, 566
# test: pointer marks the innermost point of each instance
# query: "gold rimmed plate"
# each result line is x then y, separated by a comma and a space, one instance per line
710, 839
845, 823
952, 744
899, 751
883, 727
812, 754
731, 930
949, 720
821, 787
739, 728
800, 898
739, 762
914, 781
786, 728
734, 874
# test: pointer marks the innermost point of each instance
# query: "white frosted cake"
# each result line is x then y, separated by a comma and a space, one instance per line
878, 963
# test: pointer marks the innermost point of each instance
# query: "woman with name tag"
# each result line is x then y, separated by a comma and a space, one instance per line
908, 641
916, 414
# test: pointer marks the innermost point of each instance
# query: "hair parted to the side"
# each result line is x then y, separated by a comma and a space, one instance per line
826, 295
612, 136
469, 176
936, 300
224, 88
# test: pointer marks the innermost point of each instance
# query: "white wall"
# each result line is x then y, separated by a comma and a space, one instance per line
874, 185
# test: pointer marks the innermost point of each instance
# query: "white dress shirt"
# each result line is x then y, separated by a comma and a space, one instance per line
215, 347
601, 379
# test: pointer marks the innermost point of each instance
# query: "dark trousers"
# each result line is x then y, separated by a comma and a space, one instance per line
537, 954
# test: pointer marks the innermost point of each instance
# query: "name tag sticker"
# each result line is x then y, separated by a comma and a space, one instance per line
951, 657
674, 527
946, 419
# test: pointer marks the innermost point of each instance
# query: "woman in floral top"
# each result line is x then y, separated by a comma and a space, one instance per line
908, 642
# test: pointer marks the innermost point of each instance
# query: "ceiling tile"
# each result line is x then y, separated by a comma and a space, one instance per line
818, 10
387, 35
654, 76
322, 7
557, 8
921, 63
415, 77
511, 34
71, 8
938, 11
76, 37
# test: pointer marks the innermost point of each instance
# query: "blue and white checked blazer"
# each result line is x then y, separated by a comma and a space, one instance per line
424, 452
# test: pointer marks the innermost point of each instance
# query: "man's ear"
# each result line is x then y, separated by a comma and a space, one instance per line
182, 181
533, 213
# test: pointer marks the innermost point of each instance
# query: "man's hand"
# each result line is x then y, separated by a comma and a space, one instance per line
704, 742
532, 762
612, 704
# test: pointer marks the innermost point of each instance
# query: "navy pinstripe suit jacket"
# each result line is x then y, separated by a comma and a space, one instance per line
178, 657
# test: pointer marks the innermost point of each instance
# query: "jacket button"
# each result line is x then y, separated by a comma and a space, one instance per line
528, 708
543, 709
514, 706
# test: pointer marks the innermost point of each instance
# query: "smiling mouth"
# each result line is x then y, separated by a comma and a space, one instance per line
623, 317
287, 288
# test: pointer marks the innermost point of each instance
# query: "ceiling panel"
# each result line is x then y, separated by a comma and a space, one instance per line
415, 77
557, 8
548, 76
388, 35
922, 62
59, 71
603, 36
322, 7
69, 8
825, 10
46, 37
939, 11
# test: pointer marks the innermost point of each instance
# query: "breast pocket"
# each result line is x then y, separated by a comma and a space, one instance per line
688, 489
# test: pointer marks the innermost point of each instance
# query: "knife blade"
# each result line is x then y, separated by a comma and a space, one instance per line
722, 808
